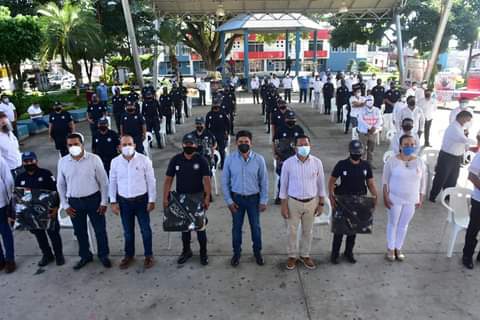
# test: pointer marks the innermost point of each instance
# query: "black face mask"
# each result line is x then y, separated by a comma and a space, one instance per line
189, 150
290, 123
407, 128
199, 128
215, 109
30, 167
283, 108
355, 157
244, 148
58, 109
103, 128
131, 110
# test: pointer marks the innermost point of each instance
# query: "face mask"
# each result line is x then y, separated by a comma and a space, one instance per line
75, 151
128, 151
408, 151
427, 97
283, 108
355, 157
244, 148
467, 125
215, 109
407, 128
130, 110
369, 104
189, 150
290, 123
30, 167
103, 128
411, 104
199, 128
303, 151
357, 95
58, 109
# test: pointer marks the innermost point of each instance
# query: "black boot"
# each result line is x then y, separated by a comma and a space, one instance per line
46, 259
336, 244
187, 251
350, 243
202, 241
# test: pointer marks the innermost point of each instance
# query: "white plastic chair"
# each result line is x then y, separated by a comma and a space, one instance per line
173, 123
323, 219
355, 134
387, 155
277, 178
390, 134
344, 114
458, 209
333, 111
216, 155
430, 157
163, 132
189, 106
146, 144
387, 123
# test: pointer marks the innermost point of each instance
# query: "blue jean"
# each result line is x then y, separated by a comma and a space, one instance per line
88, 206
39, 122
129, 209
7, 238
250, 205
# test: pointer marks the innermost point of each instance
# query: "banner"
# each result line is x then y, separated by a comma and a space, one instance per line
32, 207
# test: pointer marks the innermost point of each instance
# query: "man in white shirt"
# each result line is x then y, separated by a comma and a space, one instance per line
36, 115
317, 91
9, 148
255, 86
9, 109
411, 112
132, 194
369, 124
7, 253
275, 81
287, 88
202, 87
412, 90
429, 107
474, 223
82, 185
357, 103
454, 144
302, 191
462, 105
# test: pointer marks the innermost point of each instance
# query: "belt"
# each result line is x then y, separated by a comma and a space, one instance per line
302, 200
245, 196
134, 199
86, 197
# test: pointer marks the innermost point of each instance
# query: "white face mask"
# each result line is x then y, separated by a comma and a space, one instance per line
75, 151
303, 151
128, 151
467, 125
369, 104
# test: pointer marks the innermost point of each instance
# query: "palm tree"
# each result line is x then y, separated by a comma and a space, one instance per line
70, 31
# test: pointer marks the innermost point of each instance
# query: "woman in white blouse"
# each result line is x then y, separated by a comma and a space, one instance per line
404, 187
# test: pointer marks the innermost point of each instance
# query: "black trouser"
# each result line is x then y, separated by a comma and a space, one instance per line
232, 123
107, 160
178, 112
221, 144
202, 241
347, 122
310, 91
54, 235
303, 94
139, 144
93, 129
255, 96
185, 107
61, 144
202, 97
168, 125
472, 231
328, 104
288, 95
118, 120
340, 114
153, 126
263, 106
337, 243
268, 117
446, 173
287, 70
428, 125
278, 171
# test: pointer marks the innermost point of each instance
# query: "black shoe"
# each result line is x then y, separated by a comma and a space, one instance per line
334, 259
235, 261
82, 263
106, 262
468, 263
278, 201
350, 258
60, 260
259, 259
184, 257
45, 261
204, 259
346, 132
431, 199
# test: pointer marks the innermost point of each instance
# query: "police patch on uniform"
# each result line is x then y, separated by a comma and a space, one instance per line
135, 117
53, 178
221, 117
63, 117
96, 140
365, 172
284, 134
22, 183
109, 139
344, 173
177, 168
53, 118
296, 134
40, 179
196, 166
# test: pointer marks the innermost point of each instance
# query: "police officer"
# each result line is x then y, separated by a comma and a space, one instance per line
119, 103
166, 105
133, 124
193, 179
392, 96
38, 178
148, 89
263, 94
133, 96
61, 125
217, 123
95, 111
205, 140
360, 85
105, 144
328, 93
271, 104
285, 136
152, 114
342, 98
230, 103
378, 93
355, 177
177, 100
184, 91
278, 117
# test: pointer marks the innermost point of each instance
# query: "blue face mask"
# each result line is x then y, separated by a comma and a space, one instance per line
408, 151
303, 151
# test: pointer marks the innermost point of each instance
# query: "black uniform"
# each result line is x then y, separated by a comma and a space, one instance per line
217, 123
394, 96
133, 96
278, 120
43, 179
106, 147
183, 91
287, 132
166, 105
205, 142
378, 93
177, 100
60, 122
361, 86
271, 103
118, 108
328, 92
96, 112
152, 114
353, 181
132, 125
148, 89
189, 175
341, 99
263, 94
230, 102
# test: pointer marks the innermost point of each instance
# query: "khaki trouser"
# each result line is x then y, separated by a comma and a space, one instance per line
368, 141
303, 212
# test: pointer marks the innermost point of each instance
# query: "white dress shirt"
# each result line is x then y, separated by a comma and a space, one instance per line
275, 82
302, 180
369, 118
287, 83
34, 112
410, 92
9, 150
416, 115
454, 140
81, 178
429, 107
201, 85
356, 110
457, 110
474, 168
133, 178
9, 110
6, 183
317, 86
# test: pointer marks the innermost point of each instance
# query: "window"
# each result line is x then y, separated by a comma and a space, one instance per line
319, 45
255, 66
255, 46
183, 50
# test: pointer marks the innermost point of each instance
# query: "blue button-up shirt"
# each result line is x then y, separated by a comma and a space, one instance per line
303, 82
245, 177
102, 93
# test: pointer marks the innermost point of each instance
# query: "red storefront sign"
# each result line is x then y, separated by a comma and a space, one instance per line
323, 34
320, 54
259, 55
195, 57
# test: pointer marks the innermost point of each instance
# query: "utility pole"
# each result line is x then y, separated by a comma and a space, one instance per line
133, 41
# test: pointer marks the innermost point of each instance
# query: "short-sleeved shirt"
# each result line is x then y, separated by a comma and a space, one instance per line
217, 122
278, 118
286, 132
40, 179
9, 110
34, 112
177, 95
189, 173
378, 93
151, 109
133, 125
206, 139
353, 177
96, 111
118, 103
475, 170
229, 101
60, 123
132, 96
342, 96
105, 145
394, 96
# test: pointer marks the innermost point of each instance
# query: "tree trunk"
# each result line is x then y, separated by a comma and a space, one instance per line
469, 61
17, 76
77, 72
87, 68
